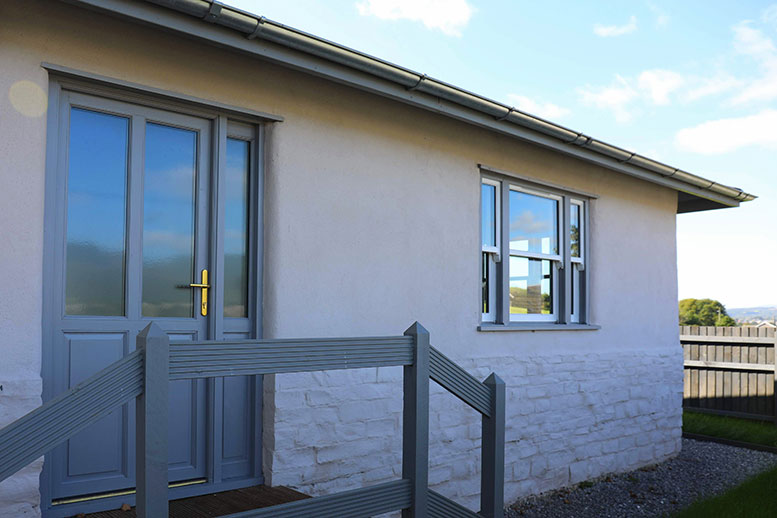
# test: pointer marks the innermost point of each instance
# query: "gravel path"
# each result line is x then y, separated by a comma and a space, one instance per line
702, 469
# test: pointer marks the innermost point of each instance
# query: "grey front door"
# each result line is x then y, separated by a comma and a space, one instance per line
136, 190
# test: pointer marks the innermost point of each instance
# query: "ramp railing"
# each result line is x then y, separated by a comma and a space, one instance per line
144, 375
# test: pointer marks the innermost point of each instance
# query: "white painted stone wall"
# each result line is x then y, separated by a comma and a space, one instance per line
569, 418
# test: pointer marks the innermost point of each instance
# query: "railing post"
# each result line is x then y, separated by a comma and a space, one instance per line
151, 409
492, 478
415, 423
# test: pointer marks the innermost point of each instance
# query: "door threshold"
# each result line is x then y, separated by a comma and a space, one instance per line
124, 492
219, 504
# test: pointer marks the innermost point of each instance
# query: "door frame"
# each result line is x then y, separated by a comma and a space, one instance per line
220, 116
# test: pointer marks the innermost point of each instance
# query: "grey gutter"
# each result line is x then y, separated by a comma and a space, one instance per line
499, 117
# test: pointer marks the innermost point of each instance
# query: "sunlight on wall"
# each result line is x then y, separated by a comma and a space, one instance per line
28, 98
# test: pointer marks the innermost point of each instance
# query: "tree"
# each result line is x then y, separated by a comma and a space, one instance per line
704, 312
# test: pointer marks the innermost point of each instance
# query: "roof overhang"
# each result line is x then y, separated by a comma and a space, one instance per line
243, 32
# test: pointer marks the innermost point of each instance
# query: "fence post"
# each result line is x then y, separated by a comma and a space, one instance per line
151, 424
774, 392
492, 455
415, 423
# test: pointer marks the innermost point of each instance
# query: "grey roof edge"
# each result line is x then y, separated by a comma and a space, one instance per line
441, 97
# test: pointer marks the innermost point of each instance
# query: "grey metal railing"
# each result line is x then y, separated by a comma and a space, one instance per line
144, 376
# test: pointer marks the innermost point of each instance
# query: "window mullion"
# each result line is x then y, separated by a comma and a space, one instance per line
585, 299
565, 277
503, 266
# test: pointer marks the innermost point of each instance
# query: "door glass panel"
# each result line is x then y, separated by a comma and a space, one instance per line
533, 223
168, 221
530, 286
236, 228
96, 213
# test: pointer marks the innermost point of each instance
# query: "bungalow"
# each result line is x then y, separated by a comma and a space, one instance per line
229, 177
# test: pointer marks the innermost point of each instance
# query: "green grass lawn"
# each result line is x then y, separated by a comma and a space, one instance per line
745, 430
755, 498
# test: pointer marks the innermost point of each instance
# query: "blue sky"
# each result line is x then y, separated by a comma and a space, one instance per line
693, 84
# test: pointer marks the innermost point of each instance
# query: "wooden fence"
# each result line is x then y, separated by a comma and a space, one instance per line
730, 371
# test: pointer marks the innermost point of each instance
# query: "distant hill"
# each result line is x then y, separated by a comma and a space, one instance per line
756, 313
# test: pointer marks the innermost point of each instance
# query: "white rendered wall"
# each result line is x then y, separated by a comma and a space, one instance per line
371, 223
22, 141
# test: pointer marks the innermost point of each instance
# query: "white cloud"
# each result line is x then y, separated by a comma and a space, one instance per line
753, 43
545, 110
616, 30
770, 14
615, 98
726, 135
448, 16
710, 86
662, 19
658, 84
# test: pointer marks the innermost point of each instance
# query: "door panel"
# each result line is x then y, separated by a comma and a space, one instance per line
139, 196
237, 427
186, 432
95, 459
99, 450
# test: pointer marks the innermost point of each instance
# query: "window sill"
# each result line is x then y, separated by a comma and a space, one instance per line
536, 326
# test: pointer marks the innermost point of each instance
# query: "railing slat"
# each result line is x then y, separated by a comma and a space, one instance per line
357, 503
52, 420
710, 339
60, 426
69, 413
283, 344
704, 364
441, 507
459, 382
213, 359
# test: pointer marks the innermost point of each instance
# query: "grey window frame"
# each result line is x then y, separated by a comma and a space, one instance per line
566, 318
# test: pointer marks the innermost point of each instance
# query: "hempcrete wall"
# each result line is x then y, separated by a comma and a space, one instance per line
371, 223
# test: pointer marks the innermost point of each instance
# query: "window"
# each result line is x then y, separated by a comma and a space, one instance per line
533, 253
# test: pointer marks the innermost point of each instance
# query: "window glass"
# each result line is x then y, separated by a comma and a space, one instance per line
168, 221
484, 268
96, 213
574, 230
530, 286
236, 229
533, 223
574, 302
488, 219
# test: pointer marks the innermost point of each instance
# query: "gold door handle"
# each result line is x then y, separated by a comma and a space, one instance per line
204, 299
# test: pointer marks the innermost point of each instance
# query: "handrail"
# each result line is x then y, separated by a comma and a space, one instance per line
213, 359
36, 433
441, 507
144, 375
356, 503
459, 382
